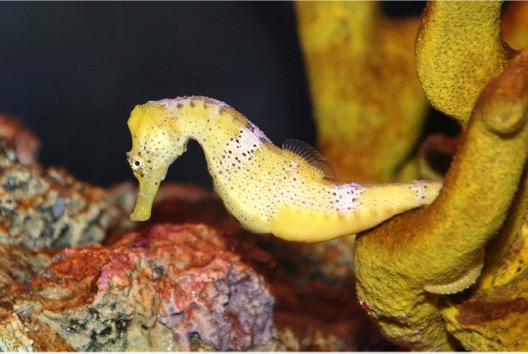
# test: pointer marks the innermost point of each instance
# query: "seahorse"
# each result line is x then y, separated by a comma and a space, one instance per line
288, 192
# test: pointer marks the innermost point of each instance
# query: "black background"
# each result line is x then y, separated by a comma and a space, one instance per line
73, 71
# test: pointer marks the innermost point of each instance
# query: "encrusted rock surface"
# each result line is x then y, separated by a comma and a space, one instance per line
50, 209
47, 207
167, 288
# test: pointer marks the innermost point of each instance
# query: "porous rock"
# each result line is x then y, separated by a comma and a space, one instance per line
169, 287
50, 208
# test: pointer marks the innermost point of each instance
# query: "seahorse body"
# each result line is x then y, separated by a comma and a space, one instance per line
268, 189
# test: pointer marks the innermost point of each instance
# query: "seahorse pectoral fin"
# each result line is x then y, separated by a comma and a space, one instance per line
148, 187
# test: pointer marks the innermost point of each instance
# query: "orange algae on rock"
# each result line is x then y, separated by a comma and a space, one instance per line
167, 288
368, 104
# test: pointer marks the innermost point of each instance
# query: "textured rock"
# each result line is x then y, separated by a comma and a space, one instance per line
50, 208
47, 207
167, 288
17, 267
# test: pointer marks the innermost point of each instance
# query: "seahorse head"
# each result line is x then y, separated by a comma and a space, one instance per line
156, 143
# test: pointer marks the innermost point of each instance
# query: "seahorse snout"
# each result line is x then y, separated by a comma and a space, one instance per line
148, 187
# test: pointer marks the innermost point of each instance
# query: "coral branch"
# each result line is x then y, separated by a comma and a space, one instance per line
363, 85
395, 261
458, 49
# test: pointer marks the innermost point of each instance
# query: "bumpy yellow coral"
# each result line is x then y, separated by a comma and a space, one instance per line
268, 189
368, 103
458, 49
493, 316
397, 261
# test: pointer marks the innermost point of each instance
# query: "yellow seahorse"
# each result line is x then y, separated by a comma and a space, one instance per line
285, 192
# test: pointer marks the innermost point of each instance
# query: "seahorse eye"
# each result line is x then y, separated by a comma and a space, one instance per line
135, 162
137, 166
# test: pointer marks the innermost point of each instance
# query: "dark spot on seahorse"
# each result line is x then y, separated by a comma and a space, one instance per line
249, 126
192, 103
179, 105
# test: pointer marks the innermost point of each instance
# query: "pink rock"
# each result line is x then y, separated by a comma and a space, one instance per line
168, 287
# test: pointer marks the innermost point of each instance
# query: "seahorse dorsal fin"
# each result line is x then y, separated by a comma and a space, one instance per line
312, 156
